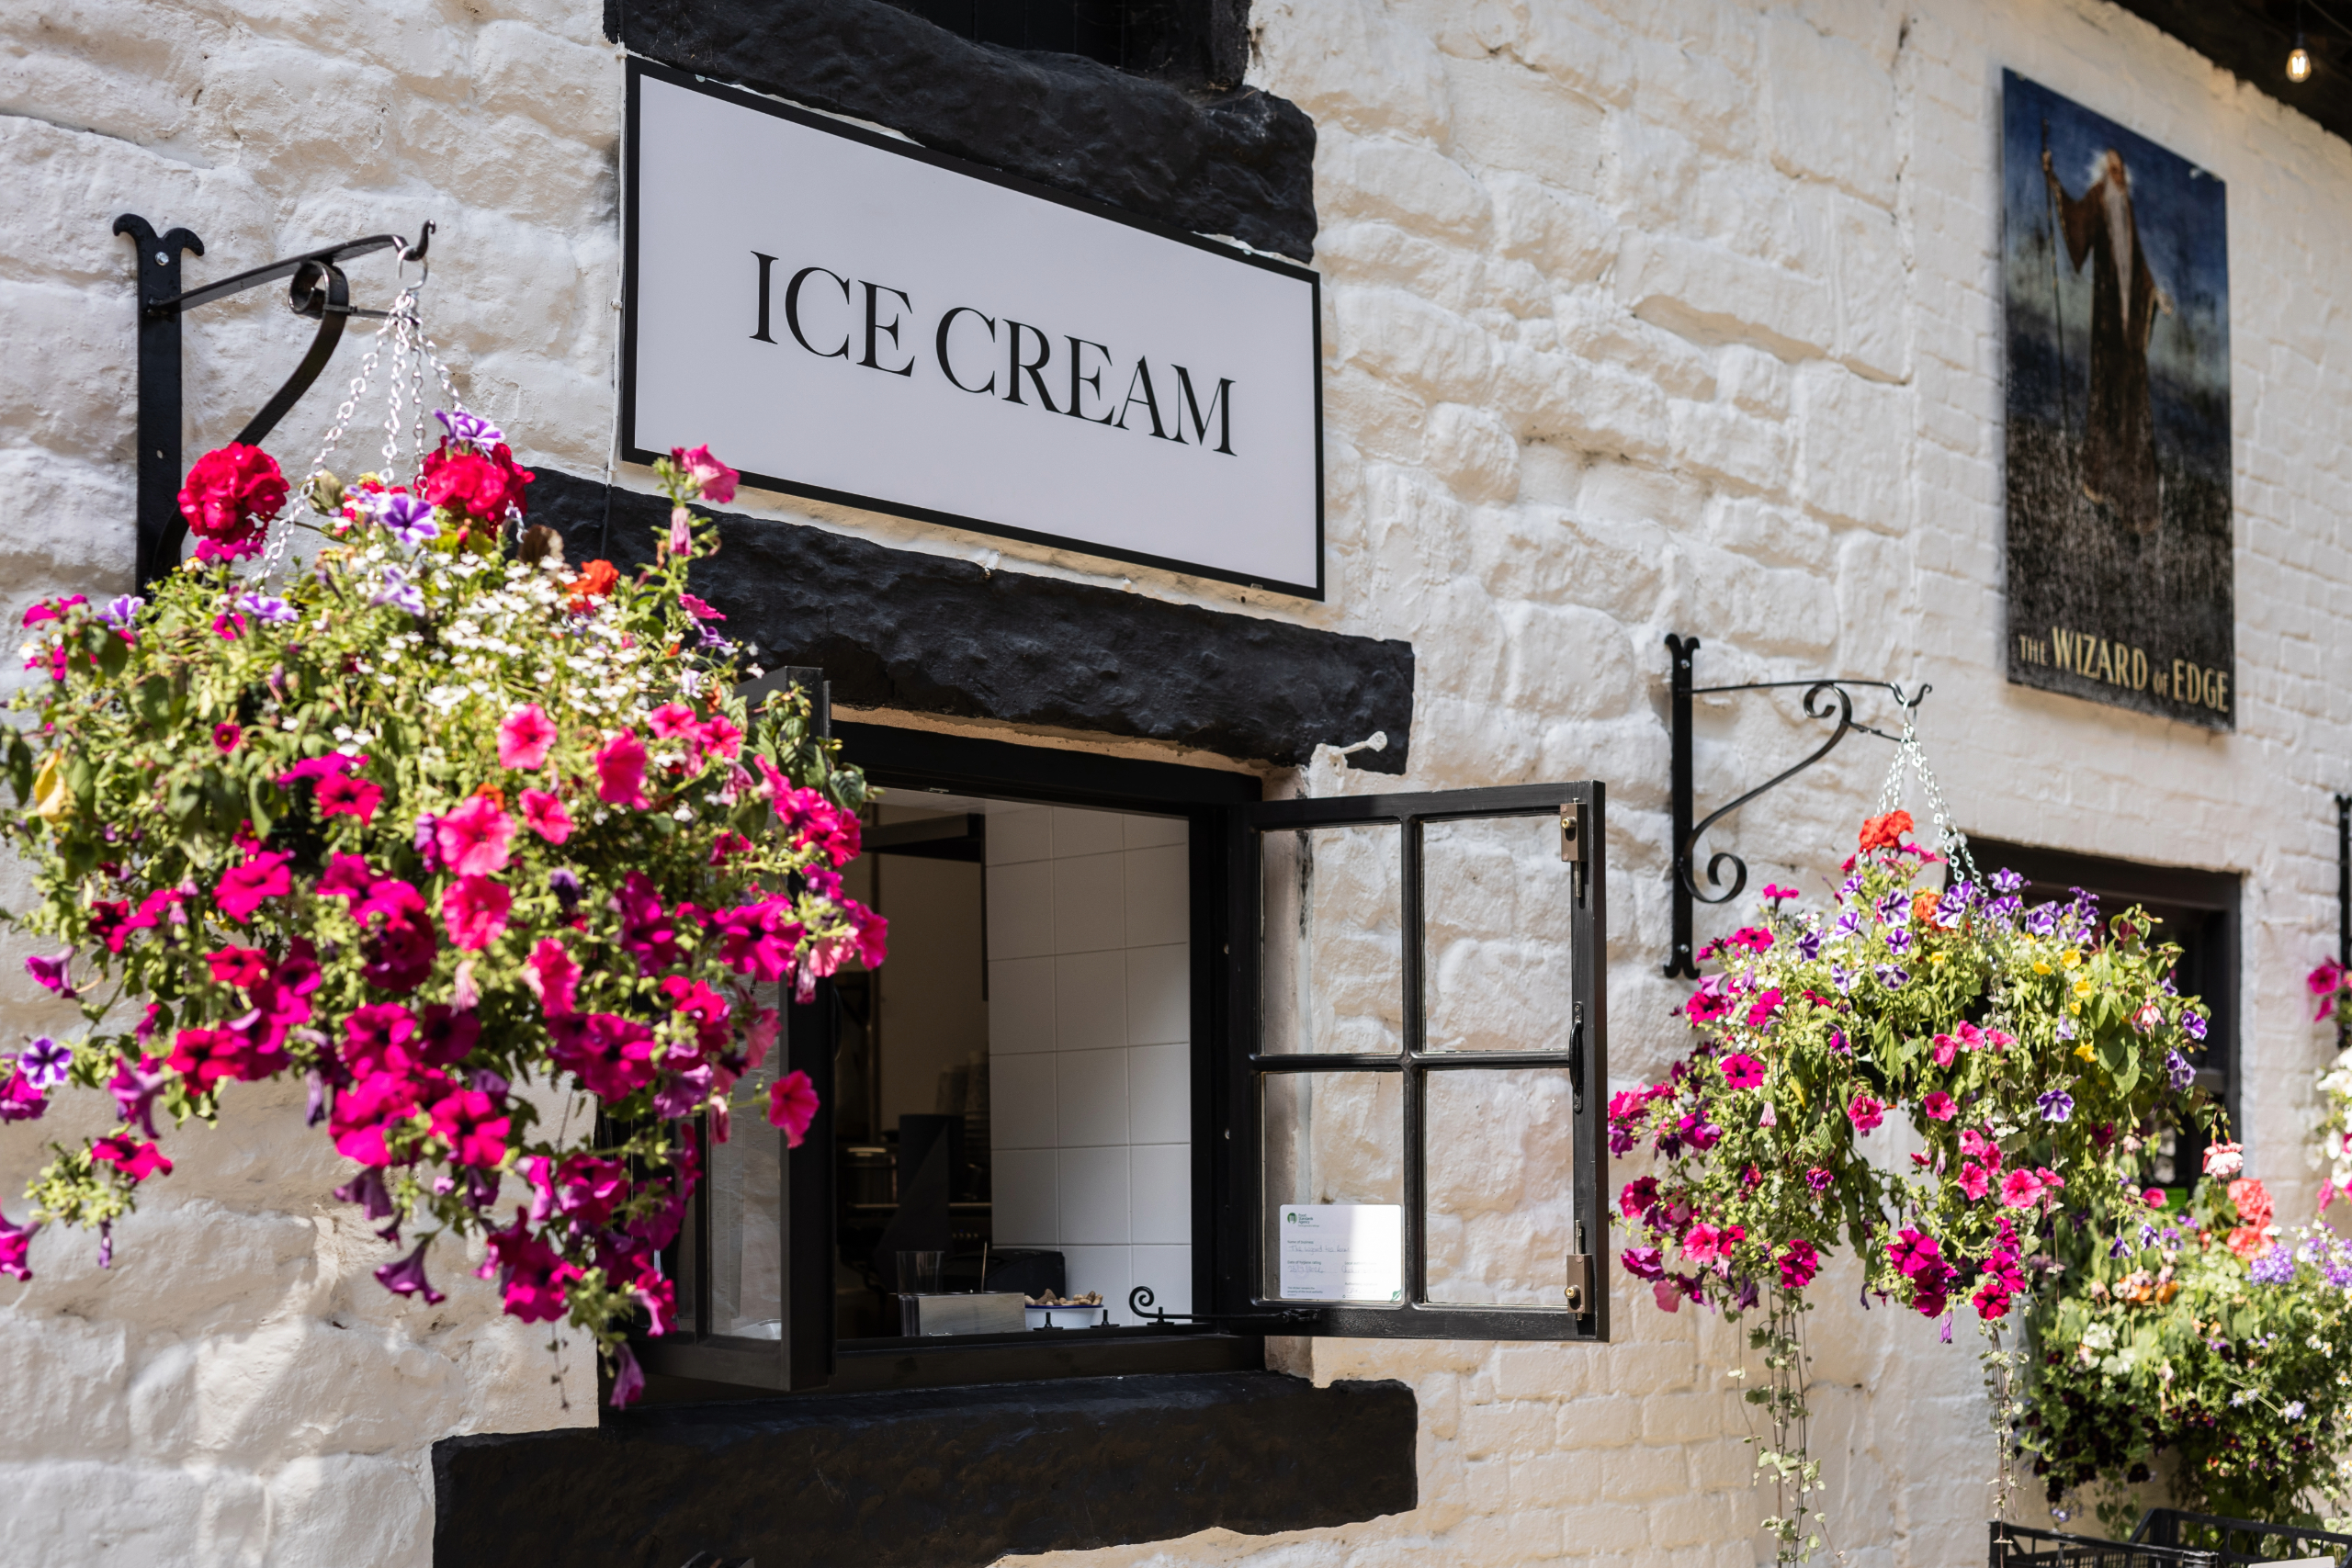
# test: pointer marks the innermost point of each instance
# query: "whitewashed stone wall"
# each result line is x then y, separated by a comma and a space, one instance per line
1644, 315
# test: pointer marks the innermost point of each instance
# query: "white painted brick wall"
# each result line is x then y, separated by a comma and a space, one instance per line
1644, 315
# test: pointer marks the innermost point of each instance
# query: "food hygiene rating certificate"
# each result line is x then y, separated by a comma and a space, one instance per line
1342, 1252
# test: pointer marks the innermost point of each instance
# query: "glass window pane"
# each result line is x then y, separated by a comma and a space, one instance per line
746, 1189
1334, 1186
1329, 910
1499, 1213
1497, 904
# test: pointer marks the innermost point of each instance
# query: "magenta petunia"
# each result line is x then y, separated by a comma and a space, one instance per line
341, 796
1940, 1106
620, 772
544, 814
473, 1124
15, 1243
474, 910
792, 1105
1865, 1113
1743, 1071
136, 1160
524, 739
552, 976
242, 887
52, 973
473, 839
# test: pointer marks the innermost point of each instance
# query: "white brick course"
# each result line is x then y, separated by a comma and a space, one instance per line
1643, 315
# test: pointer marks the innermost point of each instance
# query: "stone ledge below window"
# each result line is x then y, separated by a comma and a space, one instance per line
920, 633
932, 1479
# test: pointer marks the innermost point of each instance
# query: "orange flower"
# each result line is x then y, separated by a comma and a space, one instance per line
495, 795
1923, 907
592, 583
1885, 832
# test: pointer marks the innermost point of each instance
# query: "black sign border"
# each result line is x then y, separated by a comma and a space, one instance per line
639, 68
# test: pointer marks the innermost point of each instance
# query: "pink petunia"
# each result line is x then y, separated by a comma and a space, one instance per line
1940, 1106
474, 1125
225, 736
714, 480
553, 977
1800, 1260
136, 1160
722, 737
524, 739
544, 814
620, 772
473, 839
242, 887
2020, 1190
1946, 1048
1865, 1113
1975, 1180
339, 794
1743, 1071
672, 720
873, 933
792, 1105
474, 910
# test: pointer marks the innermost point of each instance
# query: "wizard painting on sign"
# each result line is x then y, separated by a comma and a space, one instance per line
2115, 283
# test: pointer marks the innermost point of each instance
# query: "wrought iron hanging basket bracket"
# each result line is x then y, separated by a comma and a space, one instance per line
1826, 697
319, 290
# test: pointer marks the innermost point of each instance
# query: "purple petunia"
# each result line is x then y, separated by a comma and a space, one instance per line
122, 609
2006, 881
409, 517
2177, 1070
407, 1277
2056, 1105
2193, 1025
45, 1063
469, 428
1893, 977
51, 974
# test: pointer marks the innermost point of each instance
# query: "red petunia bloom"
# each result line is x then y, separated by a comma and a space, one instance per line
620, 772
474, 910
136, 1160
339, 794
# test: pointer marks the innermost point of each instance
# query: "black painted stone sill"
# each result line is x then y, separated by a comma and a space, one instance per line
1239, 163
936, 1479
928, 634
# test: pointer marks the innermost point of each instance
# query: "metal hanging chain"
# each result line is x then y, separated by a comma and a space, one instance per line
1910, 758
412, 352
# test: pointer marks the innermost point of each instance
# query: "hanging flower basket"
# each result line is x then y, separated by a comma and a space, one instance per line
2025, 1056
444, 826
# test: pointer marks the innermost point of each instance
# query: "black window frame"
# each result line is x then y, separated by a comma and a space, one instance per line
1225, 813
1240, 1293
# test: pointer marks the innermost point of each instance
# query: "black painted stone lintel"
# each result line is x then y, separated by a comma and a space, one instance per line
935, 1480
900, 629
1239, 163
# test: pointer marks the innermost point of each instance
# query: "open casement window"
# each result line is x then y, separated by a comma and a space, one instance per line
1252, 1068
1409, 1140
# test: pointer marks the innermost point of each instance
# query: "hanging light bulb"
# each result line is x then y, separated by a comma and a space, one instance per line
2299, 60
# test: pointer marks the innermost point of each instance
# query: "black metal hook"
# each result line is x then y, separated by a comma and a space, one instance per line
319, 290
1680, 961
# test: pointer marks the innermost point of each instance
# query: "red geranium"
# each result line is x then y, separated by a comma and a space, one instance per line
480, 486
229, 493
1885, 832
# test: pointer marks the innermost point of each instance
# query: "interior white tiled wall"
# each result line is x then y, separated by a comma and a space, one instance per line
1090, 1024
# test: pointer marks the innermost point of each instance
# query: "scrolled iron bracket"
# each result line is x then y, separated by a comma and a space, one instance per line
319, 290
1826, 697
1140, 1302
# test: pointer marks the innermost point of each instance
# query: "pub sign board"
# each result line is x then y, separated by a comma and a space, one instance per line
2116, 284
854, 319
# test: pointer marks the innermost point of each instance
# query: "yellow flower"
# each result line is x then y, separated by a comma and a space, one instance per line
1939, 957
2071, 958
2042, 966
2074, 1008
2084, 1050
2083, 988
51, 800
